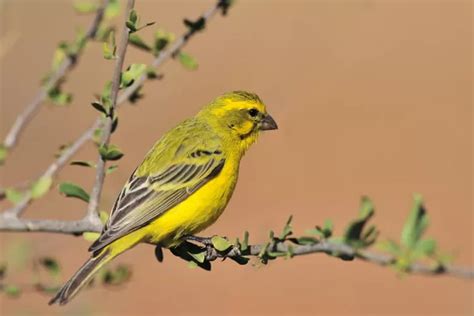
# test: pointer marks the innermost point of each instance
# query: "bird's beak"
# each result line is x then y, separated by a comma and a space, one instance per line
268, 123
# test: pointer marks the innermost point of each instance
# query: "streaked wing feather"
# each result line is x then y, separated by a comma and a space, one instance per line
143, 199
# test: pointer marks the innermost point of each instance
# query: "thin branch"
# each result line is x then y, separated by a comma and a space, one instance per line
165, 55
328, 247
64, 68
14, 224
343, 251
92, 210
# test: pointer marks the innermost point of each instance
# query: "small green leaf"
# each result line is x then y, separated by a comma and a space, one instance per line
287, 229
354, 232
83, 163
109, 48
90, 236
13, 195
110, 152
188, 61
111, 169
73, 190
133, 72
162, 39
426, 247
245, 242
131, 26
415, 225
85, 7
3, 154
104, 216
112, 9
389, 246
195, 26
200, 257
137, 41
133, 17
58, 97
328, 227
100, 107
40, 187
116, 276
224, 5
12, 290
306, 240
59, 56
220, 243
51, 265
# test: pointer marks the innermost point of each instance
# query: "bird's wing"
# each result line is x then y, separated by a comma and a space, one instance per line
148, 194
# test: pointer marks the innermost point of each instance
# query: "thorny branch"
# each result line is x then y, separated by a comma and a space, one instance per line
92, 212
64, 68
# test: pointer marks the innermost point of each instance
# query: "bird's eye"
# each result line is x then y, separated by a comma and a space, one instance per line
253, 112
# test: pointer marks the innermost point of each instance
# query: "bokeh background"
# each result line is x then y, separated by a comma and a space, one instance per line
372, 97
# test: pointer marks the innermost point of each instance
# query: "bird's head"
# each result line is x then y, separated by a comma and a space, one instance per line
240, 116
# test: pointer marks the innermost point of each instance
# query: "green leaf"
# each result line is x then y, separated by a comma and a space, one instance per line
187, 61
73, 190
85, 7
415, 225
59, 56
109, 48
353, 234
224, 5
133, 72
195, 26
3, 154
111, 169
13, 195
306, 240
12, 290
162, 39
116, 276
138, 42
83, 163
220, 243
245, 242
51, 265
192, 253
90, 236
100, 107
104, 216
40, 187
58, 97
112, 9
426, 247
389, 246
287, 229
79, 42
110, 152
328, 227
133, 17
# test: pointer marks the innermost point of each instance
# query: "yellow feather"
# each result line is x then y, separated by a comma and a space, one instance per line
222, 131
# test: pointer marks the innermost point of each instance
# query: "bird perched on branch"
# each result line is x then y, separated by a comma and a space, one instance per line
183, 184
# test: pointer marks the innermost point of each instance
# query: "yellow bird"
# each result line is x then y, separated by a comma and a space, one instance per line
183, 184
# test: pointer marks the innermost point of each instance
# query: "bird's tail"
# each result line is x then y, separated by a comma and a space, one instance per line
82, 277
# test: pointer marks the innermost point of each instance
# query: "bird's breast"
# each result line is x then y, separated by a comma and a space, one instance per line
199, 210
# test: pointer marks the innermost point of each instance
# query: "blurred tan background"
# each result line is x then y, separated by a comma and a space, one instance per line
372, 97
